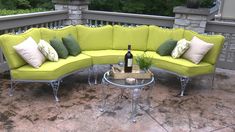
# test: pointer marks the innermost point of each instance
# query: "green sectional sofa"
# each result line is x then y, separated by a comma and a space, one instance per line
104, 45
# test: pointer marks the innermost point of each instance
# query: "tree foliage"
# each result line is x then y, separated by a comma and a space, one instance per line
25, 4
5, 12
152, 7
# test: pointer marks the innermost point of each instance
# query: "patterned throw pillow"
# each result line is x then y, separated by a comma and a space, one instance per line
47, 50
28, 50
180, 48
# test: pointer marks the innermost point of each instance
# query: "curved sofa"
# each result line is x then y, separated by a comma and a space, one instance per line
104, 45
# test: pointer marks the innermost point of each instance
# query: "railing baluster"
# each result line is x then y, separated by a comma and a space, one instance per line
95, 22
13, 31
59, 23
46, 25
25, 28
19, 30
89, 21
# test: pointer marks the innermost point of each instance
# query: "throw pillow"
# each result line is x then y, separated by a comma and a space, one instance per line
181, 46
47, 50
28, 50
166, 48
59, 47
71, 45
197, 50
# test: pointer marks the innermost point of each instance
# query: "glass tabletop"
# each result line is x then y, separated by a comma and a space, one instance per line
138, 83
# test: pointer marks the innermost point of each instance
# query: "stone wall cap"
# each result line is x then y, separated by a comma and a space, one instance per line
185, 10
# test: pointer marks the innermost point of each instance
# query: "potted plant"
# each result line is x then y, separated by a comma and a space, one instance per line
193, 3
144, 62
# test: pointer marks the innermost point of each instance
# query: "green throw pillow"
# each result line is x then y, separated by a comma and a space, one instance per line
59, 47
71, 45
167, 47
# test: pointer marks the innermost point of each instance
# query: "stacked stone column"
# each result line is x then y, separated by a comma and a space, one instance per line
74, 8
192, 19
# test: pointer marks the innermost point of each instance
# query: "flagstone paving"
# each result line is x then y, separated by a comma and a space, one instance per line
33, 109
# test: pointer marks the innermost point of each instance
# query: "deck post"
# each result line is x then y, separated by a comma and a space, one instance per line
74, 8
192, 19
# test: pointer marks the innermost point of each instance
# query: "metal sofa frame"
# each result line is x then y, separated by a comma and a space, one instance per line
55, 84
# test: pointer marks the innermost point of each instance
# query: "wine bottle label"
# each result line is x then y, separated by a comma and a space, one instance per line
129, 63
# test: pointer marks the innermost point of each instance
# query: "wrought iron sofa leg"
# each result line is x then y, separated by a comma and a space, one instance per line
55, 87
11, 89
95, 73
212, 81
184, 81
89, 75
92, 73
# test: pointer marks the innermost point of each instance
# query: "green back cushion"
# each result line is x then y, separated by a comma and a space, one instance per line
59, 47
135, 36
7, 42
217, 40
48, 34
95, 38
158, 35
167, 47
71, 45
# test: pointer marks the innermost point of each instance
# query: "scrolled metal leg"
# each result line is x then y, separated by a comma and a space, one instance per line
89, 75
102, 109
122, 93
95, 74
149, 93
11, 89
55, 87
184, 81
135, 98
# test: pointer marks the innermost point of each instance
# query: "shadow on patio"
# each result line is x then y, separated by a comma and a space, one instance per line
32, 108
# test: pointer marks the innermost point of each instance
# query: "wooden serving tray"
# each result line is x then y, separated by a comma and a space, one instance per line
117, 72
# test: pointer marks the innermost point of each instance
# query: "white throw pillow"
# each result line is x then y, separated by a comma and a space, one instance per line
197, 50
47, 50
29, 51
180, 48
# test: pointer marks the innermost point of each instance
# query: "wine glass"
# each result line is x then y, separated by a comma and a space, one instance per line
121, 61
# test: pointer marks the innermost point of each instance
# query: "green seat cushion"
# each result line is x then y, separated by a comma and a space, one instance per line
59, 47
52, 70
158, 35
167, 47
7, 42
180, 66
48, 34
71, 45
217, 40
109, 56
135, 36
95, 38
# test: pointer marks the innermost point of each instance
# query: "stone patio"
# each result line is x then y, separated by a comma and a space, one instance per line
32, 108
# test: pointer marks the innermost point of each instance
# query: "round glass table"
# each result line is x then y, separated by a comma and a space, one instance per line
136, 86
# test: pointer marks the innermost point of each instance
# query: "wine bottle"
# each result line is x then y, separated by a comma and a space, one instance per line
128, 60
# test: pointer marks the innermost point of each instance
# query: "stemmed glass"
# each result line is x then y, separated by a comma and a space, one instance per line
121, 61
